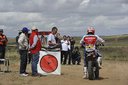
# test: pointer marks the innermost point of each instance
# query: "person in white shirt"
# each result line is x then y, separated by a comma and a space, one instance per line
64, 50
51, 41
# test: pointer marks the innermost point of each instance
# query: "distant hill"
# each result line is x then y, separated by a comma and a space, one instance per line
114, 40
115, 46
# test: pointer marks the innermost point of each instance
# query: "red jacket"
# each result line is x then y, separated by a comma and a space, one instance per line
37, 48
3, 40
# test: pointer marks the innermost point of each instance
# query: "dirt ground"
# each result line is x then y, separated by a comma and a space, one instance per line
112, 73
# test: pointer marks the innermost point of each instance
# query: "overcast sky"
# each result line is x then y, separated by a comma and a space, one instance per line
72, 17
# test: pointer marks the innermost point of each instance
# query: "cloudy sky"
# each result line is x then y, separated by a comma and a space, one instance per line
72, 17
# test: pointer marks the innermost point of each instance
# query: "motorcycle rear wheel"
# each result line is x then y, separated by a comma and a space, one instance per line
90, 70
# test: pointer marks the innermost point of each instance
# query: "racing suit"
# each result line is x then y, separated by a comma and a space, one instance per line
90, 40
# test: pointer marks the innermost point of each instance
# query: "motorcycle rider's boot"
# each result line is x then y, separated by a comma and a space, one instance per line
85, 73
99, 60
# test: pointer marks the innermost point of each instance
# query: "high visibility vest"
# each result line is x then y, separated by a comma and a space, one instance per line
3, 40
38, 45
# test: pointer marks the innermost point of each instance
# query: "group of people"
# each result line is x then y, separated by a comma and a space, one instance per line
31, 43
69, 52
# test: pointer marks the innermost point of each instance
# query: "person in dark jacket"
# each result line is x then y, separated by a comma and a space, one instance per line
3, 43
76, 57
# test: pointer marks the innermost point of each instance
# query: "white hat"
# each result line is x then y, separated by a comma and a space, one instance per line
34, 28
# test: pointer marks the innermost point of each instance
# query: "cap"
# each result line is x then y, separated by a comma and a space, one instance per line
25, 29
34, 28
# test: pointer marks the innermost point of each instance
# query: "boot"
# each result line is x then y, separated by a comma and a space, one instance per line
85, 73
99, 60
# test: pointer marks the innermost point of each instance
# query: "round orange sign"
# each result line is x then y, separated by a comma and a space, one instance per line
48, 63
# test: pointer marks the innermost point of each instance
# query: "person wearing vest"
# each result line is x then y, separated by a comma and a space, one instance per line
34, 48
23, 51
3, 43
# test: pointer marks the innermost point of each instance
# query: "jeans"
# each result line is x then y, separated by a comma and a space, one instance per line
35, 60
23, 60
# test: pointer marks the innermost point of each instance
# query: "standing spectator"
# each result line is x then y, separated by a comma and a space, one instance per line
3, 43
76, 57
58, 38
72, 43
42, 38
51, 38
23, 50
69, 50
17, 37
34, 47
64, 50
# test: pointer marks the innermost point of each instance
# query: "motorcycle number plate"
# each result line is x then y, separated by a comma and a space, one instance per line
90, 47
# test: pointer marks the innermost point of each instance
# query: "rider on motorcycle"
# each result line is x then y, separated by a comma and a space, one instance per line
85, 41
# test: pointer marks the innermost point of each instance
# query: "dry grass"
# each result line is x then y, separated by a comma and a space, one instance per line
113, 72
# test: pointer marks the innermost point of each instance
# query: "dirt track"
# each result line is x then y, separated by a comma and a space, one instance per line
113, 73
